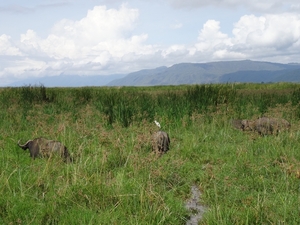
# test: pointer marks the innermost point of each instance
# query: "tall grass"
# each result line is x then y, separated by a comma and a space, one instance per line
115, 179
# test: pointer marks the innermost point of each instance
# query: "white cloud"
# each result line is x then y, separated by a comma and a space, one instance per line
253, 37
6, 47
22, 67
295, 6
269, 6
101, 30
87, 46
100, 24
174, 50
211, 37
277, 31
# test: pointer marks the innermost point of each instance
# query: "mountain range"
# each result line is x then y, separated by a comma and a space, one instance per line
245, 71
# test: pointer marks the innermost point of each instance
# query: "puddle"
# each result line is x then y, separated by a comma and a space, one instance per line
193, 204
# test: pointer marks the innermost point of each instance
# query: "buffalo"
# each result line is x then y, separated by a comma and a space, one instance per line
263, 125
236, 123
160, 142
42, 147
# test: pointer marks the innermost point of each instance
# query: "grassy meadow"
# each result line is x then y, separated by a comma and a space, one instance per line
116, 179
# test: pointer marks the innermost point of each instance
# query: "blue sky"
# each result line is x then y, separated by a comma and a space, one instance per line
102, 37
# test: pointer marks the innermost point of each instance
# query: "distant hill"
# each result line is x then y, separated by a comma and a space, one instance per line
68, 81
289, 76
214, 72
245, 71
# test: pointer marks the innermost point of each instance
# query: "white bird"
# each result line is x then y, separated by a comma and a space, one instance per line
157, 123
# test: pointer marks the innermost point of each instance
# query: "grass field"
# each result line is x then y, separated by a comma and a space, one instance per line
116, 179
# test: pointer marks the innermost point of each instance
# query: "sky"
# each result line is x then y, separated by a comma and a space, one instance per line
104, 37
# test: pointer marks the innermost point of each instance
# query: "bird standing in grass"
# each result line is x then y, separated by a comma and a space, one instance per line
157, 124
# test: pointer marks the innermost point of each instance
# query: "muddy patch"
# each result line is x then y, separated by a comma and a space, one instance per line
194, 206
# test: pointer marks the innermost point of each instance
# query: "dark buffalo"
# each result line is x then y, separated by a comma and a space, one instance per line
42, 147
160, 142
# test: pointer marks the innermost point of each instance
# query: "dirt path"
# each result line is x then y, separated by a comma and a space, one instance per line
193, 204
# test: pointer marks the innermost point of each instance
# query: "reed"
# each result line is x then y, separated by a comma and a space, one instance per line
115, 177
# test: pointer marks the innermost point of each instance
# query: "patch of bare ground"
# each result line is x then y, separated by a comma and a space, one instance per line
194, 205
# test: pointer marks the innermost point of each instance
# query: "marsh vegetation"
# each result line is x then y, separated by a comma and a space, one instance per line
116, 179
